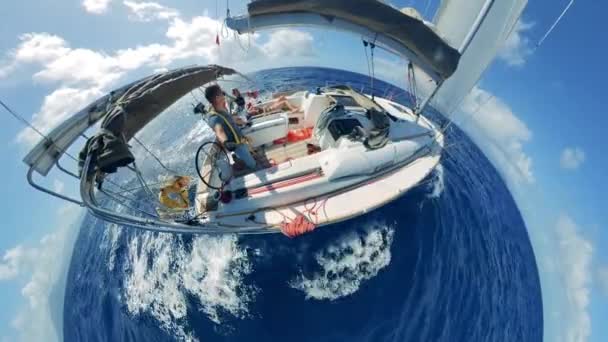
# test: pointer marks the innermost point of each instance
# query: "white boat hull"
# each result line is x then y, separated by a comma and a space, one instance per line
335, 184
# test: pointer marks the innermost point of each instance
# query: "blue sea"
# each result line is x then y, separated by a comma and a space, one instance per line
449, 261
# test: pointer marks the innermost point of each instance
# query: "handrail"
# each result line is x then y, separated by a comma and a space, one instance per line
66, 171
88, 197
30, 180
115, 196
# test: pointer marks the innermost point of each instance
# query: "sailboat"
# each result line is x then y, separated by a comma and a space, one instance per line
338, 155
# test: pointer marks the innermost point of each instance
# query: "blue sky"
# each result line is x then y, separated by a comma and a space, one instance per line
545, 115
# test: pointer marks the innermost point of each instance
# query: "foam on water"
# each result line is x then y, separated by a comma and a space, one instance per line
344, 266
438, 183
109, 243
162, 271
214, 271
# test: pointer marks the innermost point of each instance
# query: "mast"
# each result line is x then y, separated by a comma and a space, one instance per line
481, 17
479, 28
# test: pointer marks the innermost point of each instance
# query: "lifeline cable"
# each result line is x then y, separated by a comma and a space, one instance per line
63, 151
154, 156
27, 123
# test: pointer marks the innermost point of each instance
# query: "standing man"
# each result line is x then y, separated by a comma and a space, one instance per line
225, 128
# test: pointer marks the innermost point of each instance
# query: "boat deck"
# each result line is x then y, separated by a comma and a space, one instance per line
266, 157
276, 154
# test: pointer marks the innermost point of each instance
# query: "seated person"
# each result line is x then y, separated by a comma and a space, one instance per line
240, 114
177, 187
279, 104
225, 126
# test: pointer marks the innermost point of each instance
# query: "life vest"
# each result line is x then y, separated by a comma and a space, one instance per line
237, 138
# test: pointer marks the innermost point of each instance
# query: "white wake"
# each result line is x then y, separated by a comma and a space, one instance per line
438, 182
345, 265
162, 271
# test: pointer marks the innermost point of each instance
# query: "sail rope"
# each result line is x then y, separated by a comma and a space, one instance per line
225, 34
305, 221
217, 25
370, 66
369, 69
412, 86
371, 49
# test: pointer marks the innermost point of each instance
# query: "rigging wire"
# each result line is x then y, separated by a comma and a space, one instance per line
21, 119
413, 87
154, 156
538, 44
555, 24
196, 100
479, 107
143, 183
369, 69
28, 124
116, 198
426, 9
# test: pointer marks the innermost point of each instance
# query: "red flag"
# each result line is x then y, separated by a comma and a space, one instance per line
217, 39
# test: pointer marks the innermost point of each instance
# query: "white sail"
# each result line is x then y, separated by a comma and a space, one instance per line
402, 32
455, 21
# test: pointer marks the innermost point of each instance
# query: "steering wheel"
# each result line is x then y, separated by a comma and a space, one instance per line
210, 157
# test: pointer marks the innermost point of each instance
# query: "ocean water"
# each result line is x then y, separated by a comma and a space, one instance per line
449, 261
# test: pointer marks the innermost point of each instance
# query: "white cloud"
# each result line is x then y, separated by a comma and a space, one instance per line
57, 106
61, 63
81, 66
42, 268
40, 48
575, 255
85, 74
149, 11
602, 278
390, 70
58, 186
12, 262
289, 43
96, 6
5, 70
518, 47
500, 134
572, 158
